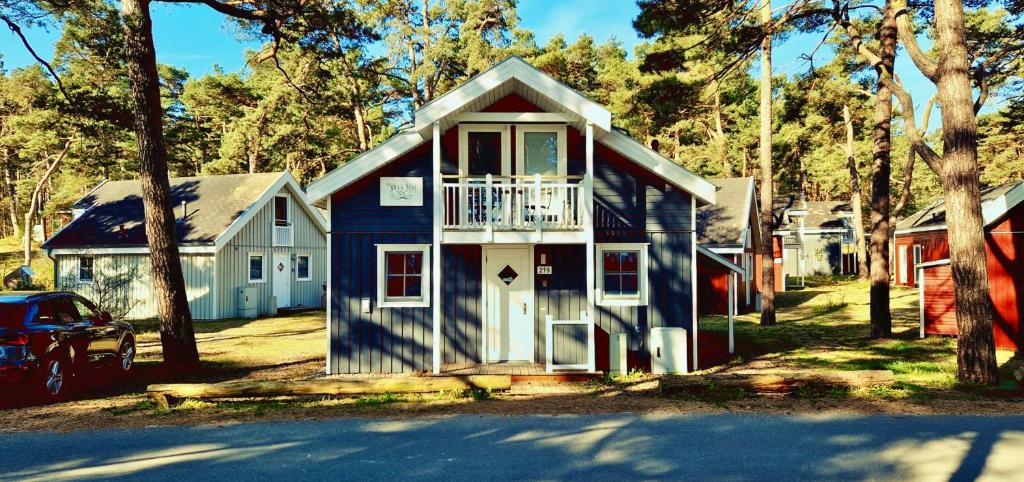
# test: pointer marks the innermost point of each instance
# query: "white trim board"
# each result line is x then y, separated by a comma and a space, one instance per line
506, 70
286, 181
86, 251
720, 260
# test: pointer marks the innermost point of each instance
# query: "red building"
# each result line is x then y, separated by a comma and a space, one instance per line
730, 229
922, 253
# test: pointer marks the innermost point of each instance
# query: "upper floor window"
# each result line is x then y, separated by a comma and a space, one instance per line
483, 149
540, 149
281, 211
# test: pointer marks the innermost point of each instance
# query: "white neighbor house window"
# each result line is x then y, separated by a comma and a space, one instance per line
256, 266
282, 211
85, 269
302, 268
403, 279
622, 274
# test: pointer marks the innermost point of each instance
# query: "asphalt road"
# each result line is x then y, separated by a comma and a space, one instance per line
616, 447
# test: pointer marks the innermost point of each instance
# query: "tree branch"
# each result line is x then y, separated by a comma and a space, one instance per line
906, 31
24, 41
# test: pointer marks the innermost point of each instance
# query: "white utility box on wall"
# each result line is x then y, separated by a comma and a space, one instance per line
668, 350
618, 351
247, 305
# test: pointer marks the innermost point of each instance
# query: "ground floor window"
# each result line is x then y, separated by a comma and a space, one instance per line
85, 269
256, 268
403, 276
622, 274
302, 267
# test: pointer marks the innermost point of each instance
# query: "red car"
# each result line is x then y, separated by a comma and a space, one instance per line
47, 338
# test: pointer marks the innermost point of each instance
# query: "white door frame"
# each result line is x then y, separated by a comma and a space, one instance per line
285, 274
902, 264
483, 304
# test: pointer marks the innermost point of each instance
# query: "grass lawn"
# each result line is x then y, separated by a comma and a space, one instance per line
287, 347
826, 326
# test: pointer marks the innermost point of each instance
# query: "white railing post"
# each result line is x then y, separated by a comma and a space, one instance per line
536, 204
489, 227
732, 312
591, 354
549, 342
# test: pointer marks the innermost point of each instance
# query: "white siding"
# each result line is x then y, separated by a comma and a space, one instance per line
197, 269
256, 236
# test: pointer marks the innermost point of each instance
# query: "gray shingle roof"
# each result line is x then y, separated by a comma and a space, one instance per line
114, 216
935, 213
723, 222
820, 214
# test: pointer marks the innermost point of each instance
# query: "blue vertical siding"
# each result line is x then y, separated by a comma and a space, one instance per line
387, 339
462, 305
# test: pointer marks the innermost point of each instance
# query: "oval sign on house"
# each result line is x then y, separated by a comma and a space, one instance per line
401, 191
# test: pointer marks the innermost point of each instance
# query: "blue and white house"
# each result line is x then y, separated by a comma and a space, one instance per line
511, 223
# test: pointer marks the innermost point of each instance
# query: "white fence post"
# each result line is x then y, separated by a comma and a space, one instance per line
549, 343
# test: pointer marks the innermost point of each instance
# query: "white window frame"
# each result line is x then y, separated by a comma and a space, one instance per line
309, 267
263, 268
382, 301
641, 298
560, 132
506, 147
918, 253
92, 270
287, 210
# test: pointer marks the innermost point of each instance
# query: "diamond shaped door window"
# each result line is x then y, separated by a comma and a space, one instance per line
508, 275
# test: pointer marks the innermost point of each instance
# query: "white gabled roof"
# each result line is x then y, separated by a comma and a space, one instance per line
285, 181
511, 76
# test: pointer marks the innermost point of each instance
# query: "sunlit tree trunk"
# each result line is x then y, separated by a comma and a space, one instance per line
767, 185
960, 186
176, 332
881, 165
855, 196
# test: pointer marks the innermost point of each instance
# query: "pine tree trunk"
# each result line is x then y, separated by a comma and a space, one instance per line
176, 333
881, 317
723, 146
767, 185
855, 197
12, 194
976, 359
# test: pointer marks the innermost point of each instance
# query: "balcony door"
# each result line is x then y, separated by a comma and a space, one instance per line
484, 149
540, 149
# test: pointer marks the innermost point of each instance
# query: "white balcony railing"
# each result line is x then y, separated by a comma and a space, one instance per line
283, 235
513, 203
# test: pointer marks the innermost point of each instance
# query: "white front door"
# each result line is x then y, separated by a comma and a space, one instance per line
508, 298
281, 271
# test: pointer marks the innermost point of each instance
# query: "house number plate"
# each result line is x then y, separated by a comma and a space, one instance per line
543, 270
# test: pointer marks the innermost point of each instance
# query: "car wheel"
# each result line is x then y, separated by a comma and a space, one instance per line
126, 356
55, 376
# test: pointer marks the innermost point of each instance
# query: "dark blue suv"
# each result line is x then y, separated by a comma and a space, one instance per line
46, 338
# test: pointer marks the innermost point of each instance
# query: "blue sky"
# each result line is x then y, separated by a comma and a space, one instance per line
197, 39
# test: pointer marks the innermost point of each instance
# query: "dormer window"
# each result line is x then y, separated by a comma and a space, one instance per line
282, 211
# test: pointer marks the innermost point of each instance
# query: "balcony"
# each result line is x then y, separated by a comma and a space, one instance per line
283, 234
512, 204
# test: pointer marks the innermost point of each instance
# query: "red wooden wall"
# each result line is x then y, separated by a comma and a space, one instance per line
1004, 248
